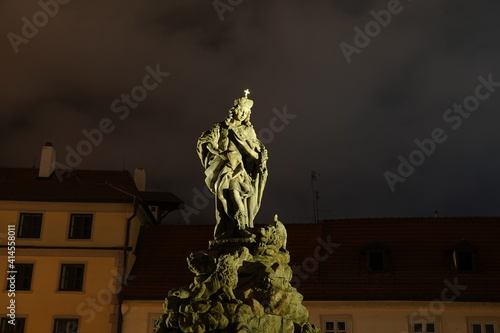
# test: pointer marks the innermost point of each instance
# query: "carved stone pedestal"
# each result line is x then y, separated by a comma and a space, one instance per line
240, 285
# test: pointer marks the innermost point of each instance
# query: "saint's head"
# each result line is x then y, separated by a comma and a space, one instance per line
241, 110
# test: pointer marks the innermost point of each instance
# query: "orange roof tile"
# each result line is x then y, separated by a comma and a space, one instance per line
76, 186
419, 261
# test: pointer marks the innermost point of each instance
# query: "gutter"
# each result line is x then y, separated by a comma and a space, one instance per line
124, 273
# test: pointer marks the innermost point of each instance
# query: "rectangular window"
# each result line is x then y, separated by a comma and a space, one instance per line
420, 327
30, 225
23, 276
5, 327
483, 325
336, 324
71, 277
80, 226
425, 325
65, 325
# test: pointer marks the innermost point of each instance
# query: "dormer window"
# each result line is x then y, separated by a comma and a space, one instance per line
376, 261
376, 256
464, 257
464, 261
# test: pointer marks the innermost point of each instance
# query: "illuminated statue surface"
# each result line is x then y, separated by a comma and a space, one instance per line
242, 283
235, 169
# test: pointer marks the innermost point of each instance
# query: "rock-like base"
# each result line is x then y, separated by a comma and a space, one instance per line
239, 287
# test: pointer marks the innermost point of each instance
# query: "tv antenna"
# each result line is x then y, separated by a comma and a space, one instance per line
315, 196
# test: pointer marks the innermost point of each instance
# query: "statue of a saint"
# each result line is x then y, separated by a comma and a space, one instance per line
235, 168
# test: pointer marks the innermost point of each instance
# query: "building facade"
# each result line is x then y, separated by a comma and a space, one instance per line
68, 244
436, 274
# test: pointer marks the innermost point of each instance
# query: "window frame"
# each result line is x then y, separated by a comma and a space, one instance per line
5, 321
21, 225
461, 248
324, 319
62, 272
61, 319
483, 321
424, 320
82, 233
17, 264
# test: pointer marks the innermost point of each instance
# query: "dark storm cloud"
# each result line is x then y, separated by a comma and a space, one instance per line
352, 120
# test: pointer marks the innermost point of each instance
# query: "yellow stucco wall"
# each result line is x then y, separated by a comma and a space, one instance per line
139, 315
108, 229
372, 317
94, 306
44, 302
394, 316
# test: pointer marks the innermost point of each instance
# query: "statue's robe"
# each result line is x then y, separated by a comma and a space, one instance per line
234, 160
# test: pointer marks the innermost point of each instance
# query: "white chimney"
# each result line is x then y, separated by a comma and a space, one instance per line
47, 161
140, 179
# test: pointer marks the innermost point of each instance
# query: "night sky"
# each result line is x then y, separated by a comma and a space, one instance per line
335, 91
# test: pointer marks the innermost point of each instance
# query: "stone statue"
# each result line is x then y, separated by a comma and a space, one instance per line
235, 168
239, 289
242, 283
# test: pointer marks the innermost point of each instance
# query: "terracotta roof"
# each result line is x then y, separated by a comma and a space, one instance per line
159, 197
419, 258
75, 186
166, 201
161, 263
